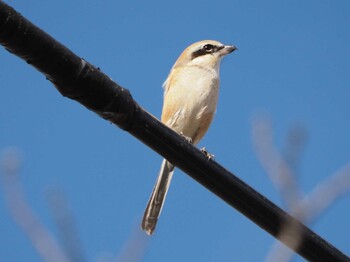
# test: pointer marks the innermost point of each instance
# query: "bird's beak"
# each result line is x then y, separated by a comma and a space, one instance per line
227, 49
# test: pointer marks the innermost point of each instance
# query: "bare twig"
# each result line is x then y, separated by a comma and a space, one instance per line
67, 230
273, 162
326, 193
25, 217
282, 171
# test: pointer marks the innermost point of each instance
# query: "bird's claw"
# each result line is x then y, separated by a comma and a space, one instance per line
188, 139
207, 154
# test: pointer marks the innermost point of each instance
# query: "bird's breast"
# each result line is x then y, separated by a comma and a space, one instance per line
190, 100
201, 86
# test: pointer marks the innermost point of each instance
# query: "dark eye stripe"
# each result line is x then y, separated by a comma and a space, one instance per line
206, 49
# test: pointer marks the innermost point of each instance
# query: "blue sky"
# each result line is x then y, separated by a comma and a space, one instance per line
293, 64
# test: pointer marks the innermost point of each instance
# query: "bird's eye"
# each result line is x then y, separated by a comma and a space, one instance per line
208, 48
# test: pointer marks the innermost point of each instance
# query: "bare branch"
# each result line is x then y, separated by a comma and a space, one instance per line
326, 193
25, 217
278, 168
273, 162
67, 229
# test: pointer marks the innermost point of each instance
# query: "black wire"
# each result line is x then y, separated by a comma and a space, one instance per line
77, 79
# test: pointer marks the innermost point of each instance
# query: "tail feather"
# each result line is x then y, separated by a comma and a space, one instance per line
156, 201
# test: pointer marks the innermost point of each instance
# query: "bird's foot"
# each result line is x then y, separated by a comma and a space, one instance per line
207, 154
188, 139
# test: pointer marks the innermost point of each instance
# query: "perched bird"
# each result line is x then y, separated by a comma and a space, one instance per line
190, 97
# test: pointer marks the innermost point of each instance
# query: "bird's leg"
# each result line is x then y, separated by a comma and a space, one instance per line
188, 139
207, 154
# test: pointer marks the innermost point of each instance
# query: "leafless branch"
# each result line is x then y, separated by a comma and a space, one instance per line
305, 208
25, 217
273, 162
67, 230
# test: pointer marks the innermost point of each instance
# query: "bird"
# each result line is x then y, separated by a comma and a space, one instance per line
190, 97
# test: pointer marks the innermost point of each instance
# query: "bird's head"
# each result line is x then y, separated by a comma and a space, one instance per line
206, 53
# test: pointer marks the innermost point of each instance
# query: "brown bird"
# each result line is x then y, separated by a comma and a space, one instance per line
190, 98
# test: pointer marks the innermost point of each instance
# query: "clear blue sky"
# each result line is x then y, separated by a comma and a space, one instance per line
293, 62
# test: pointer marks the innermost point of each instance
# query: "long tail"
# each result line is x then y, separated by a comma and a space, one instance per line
156, 201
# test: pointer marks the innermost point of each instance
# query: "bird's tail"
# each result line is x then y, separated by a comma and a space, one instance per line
156, 201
